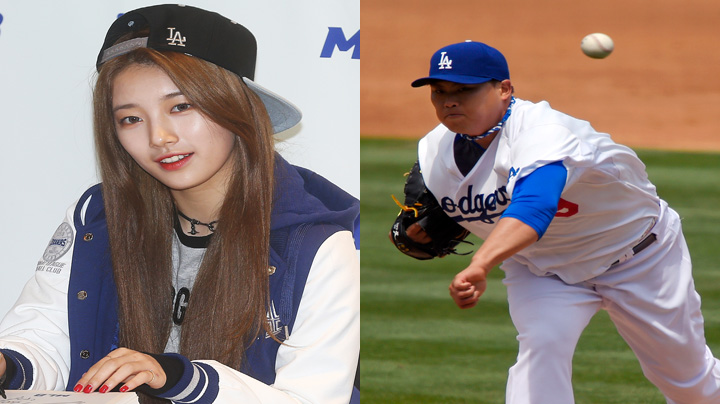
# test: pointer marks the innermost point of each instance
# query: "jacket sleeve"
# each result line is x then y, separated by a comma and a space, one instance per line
317, 363
34, 334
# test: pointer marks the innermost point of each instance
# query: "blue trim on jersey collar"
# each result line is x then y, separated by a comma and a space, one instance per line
494, 128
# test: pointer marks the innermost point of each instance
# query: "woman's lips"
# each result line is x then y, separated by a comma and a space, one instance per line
174, 161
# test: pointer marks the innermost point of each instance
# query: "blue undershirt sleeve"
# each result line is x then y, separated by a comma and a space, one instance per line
536, 196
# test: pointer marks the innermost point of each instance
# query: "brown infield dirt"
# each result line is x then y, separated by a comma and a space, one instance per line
659, 89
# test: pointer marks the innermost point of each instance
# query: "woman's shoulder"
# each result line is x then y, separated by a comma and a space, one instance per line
89, 208
304, 197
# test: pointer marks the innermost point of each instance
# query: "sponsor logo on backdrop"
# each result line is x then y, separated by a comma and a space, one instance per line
1, 18
336, 39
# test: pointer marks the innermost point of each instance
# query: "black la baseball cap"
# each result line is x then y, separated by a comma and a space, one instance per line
203, 34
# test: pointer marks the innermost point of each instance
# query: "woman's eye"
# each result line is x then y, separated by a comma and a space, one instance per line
181, 107
129, 120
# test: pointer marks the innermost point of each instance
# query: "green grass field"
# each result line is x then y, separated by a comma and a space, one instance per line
417, 347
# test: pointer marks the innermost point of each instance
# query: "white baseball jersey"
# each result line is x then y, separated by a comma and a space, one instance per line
607, 206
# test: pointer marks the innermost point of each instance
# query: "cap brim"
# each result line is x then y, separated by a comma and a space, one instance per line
283, 114
452, 78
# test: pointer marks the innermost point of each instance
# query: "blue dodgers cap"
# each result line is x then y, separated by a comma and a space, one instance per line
467, 63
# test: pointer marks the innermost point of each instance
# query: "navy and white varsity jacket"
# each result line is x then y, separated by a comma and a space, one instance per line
66, 317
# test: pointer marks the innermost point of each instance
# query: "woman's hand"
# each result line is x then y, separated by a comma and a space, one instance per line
122, 366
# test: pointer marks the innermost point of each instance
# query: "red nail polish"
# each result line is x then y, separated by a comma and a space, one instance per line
88, 389
78, 388
104, 389
123, 389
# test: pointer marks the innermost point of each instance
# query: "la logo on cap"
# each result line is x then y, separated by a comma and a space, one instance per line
445, 62
175, 38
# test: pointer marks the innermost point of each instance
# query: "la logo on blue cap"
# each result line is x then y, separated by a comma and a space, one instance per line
445, 62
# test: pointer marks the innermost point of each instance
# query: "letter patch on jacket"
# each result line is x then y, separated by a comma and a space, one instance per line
58, 246
278, 329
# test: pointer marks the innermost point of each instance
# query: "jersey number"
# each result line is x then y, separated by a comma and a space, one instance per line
566, 208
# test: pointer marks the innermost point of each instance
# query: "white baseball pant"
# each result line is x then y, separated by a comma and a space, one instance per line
652, 301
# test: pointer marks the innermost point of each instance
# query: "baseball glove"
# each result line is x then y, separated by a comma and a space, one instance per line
442, 234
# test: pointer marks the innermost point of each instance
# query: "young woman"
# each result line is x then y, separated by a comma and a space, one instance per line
204, 268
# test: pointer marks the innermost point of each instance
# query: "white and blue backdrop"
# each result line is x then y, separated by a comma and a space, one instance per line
308, 52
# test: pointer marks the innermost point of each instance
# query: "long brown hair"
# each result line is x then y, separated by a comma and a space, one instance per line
230, 296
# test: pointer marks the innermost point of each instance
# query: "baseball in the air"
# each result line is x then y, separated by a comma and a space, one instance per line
597, 45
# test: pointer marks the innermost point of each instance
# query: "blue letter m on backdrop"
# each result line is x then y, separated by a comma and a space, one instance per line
336, 37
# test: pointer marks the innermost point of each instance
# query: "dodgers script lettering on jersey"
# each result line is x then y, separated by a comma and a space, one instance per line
488, 207
485, 207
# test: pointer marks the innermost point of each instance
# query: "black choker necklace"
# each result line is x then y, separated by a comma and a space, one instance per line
193, 222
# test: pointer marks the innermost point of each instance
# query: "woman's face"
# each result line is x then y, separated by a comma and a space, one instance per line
166, 135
